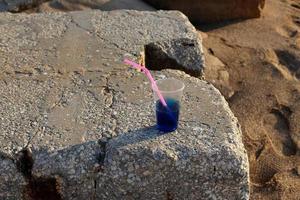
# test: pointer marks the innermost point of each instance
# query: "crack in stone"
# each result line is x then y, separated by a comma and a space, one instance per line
4, 155
112, 43
100, 159
46, 188
109, 91
169, 196
24, 162
96, 34
79, 26
102, 154
56, 103
43, 188
34, 135
95, 190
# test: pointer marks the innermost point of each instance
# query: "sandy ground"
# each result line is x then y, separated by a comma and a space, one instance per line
256, 65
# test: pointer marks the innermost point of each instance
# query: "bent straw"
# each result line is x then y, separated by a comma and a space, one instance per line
150, 77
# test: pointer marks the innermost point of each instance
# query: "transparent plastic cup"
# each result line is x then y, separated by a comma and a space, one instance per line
172, 91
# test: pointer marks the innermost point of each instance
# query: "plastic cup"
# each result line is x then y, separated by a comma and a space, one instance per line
167, 117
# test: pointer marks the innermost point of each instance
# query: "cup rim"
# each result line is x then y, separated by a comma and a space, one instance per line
173, 91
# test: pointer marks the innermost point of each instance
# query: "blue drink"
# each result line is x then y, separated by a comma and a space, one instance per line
167, 118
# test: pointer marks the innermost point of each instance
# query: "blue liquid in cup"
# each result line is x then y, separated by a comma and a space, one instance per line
167, 118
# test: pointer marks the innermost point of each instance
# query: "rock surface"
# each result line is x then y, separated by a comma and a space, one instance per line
205, 11
74, 169
203, 159
71, 5
86, 120
11, 180
174, 54
18, 5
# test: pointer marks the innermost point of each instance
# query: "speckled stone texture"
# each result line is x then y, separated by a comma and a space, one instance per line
74, 169
11, 180
87, 120
203, 159
55, 67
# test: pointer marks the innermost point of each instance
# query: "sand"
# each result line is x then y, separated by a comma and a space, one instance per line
256, 65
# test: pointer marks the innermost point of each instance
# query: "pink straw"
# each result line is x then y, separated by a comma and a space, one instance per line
151, 79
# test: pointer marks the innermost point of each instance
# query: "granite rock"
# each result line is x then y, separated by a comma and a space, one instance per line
74, 169
175, 54
203, 159
11, 180
85, 121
